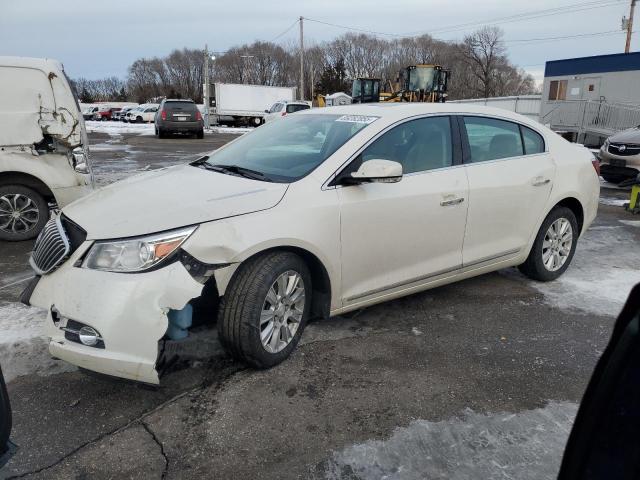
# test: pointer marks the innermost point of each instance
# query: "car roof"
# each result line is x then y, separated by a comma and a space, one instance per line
178, 100
398, 111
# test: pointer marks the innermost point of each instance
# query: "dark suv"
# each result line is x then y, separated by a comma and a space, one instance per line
178, 116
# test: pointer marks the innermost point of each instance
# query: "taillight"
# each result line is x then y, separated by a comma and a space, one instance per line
163, 114
596, 165
198, 115
284, 113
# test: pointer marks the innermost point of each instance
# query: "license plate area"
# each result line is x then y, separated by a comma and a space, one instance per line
616, 162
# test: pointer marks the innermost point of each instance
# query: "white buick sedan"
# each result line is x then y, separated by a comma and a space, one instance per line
324, 212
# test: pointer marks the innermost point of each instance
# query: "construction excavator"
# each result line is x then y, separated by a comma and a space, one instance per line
416, 83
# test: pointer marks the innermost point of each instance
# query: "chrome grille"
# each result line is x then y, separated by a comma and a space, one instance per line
624, 150
51, 248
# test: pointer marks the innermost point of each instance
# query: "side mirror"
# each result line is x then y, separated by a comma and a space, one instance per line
266, 111
378, 171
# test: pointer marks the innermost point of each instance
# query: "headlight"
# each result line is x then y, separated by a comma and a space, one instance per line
135, 254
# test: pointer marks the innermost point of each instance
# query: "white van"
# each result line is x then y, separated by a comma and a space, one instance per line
44, 154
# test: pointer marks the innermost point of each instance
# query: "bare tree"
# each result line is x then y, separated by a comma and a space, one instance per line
479, 66
483, 51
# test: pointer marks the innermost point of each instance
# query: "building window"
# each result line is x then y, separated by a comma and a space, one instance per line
558, 90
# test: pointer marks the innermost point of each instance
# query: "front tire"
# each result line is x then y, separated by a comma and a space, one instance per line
23, 213
554, 246
265, 309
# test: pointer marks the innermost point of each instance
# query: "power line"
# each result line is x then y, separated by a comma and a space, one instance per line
530, 15
285, 32
355, 29
564, 37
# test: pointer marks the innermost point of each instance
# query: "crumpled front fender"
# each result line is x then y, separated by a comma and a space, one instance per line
128, 310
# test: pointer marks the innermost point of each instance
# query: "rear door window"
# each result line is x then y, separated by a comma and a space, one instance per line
492, 139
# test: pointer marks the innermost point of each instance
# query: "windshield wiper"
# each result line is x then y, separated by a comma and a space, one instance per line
237, 170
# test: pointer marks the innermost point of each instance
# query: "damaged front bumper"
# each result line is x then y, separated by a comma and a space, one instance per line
129, 310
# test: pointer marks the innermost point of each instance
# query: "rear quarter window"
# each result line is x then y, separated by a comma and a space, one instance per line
492, 139
533, 141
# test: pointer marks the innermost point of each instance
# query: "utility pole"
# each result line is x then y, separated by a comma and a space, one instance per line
629, 24
206, 86
245, 60
301, 58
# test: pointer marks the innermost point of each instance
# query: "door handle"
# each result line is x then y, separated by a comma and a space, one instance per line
452, 201
539, 181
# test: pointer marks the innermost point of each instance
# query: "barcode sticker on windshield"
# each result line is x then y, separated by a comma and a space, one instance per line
356, 119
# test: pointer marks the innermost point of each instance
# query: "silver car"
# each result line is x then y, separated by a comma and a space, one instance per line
620, 156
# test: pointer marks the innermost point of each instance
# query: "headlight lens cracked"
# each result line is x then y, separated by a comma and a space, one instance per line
135, 254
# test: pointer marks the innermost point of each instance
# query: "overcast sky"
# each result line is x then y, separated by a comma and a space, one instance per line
101, 38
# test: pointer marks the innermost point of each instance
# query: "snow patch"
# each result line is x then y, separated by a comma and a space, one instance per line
223, 129
24, 349
631, 223
601, 274
614, 202
119, 128
526, 445
122, 128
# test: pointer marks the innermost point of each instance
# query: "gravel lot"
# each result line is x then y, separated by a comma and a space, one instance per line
478, 379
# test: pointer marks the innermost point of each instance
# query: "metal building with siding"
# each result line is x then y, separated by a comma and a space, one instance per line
590, 98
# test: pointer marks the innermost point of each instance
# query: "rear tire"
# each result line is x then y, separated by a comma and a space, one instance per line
258, 293
23, 213
200, 134
552, 249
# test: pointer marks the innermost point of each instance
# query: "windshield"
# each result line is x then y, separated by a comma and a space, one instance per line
421, 79
290, 149
355, 89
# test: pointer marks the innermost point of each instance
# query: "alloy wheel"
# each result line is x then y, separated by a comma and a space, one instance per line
18, 213
282, 311
557, 244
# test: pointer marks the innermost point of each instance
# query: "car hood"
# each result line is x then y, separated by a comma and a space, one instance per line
169, 198
631, 135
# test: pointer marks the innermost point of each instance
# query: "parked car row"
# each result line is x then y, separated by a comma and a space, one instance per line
132, 113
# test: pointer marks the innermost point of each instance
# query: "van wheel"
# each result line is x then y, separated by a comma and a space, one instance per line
23, 213
554, 246
265, 309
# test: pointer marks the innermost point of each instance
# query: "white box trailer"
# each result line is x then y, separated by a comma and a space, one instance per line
241, 104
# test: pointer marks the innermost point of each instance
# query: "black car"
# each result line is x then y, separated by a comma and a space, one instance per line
178, 116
